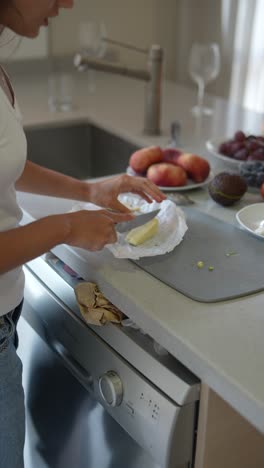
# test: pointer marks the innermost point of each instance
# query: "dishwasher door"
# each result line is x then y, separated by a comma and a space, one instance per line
66, 426
114, 416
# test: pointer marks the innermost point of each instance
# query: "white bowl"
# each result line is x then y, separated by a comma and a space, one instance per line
225, 162
251, 218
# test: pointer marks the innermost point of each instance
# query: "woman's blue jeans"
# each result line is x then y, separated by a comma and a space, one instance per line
12, 410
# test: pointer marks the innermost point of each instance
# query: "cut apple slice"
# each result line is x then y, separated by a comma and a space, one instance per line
143, 233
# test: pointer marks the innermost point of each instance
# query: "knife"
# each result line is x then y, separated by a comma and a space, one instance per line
139, 220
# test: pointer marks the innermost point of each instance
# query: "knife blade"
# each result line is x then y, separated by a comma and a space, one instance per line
139, 220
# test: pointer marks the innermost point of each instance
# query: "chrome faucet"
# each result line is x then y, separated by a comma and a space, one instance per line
152, 75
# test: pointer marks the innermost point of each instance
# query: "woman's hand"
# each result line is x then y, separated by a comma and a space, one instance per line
92, 230
105, 193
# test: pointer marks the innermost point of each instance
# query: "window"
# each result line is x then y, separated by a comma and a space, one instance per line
247, 77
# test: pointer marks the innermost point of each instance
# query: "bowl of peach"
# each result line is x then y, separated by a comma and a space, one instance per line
170, 169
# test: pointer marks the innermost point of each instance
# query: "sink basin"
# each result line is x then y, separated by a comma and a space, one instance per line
81, 150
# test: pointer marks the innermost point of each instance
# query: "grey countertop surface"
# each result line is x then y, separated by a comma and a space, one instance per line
222, 343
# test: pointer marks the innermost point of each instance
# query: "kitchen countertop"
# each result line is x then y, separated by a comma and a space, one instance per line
221, 343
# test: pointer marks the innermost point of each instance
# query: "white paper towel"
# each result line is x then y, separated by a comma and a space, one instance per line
171, 230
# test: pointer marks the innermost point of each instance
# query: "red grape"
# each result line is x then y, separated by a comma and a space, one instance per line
223, 148
236, 146
252, 145
239, 136
257, 155
241, 154
228, 148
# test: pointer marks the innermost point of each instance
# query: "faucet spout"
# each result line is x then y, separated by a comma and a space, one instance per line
152, 76
83, 63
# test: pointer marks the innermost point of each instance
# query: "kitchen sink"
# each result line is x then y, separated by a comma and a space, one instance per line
81, 150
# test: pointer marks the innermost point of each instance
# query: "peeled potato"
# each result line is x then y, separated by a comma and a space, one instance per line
143, 233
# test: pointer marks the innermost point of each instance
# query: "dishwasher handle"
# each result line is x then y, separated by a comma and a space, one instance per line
72, 365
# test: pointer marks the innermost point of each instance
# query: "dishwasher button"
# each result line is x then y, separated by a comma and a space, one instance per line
130, 409
111, 388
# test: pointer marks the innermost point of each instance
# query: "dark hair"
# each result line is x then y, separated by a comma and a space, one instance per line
4, 4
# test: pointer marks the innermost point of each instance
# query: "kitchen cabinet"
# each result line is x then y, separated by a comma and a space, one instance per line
225, 438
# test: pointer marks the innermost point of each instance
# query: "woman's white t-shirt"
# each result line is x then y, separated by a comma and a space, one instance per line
13, 151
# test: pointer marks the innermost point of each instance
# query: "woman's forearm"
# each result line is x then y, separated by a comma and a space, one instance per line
22, 244
40, 180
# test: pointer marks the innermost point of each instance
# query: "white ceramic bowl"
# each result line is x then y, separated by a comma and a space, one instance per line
251, 218
222, 161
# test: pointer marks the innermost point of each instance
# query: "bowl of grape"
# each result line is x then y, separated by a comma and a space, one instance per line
238, 149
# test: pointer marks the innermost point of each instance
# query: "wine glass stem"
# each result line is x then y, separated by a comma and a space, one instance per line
201, 87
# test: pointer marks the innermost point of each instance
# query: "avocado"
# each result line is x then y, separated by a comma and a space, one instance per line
227, 189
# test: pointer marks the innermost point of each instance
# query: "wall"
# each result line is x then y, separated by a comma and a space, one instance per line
129, 21
165, 33
174, 24
205, 21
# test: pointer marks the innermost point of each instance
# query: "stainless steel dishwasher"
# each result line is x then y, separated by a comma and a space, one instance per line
98, 397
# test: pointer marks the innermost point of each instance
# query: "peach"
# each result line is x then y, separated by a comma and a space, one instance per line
171, 155
196, 167
167, 175
144, 157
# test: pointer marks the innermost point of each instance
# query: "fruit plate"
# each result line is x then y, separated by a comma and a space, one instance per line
189, 186
251, 218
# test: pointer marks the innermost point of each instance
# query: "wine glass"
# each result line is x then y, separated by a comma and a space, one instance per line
92, 39
204, 66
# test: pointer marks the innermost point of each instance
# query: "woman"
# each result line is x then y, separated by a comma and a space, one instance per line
89, 230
